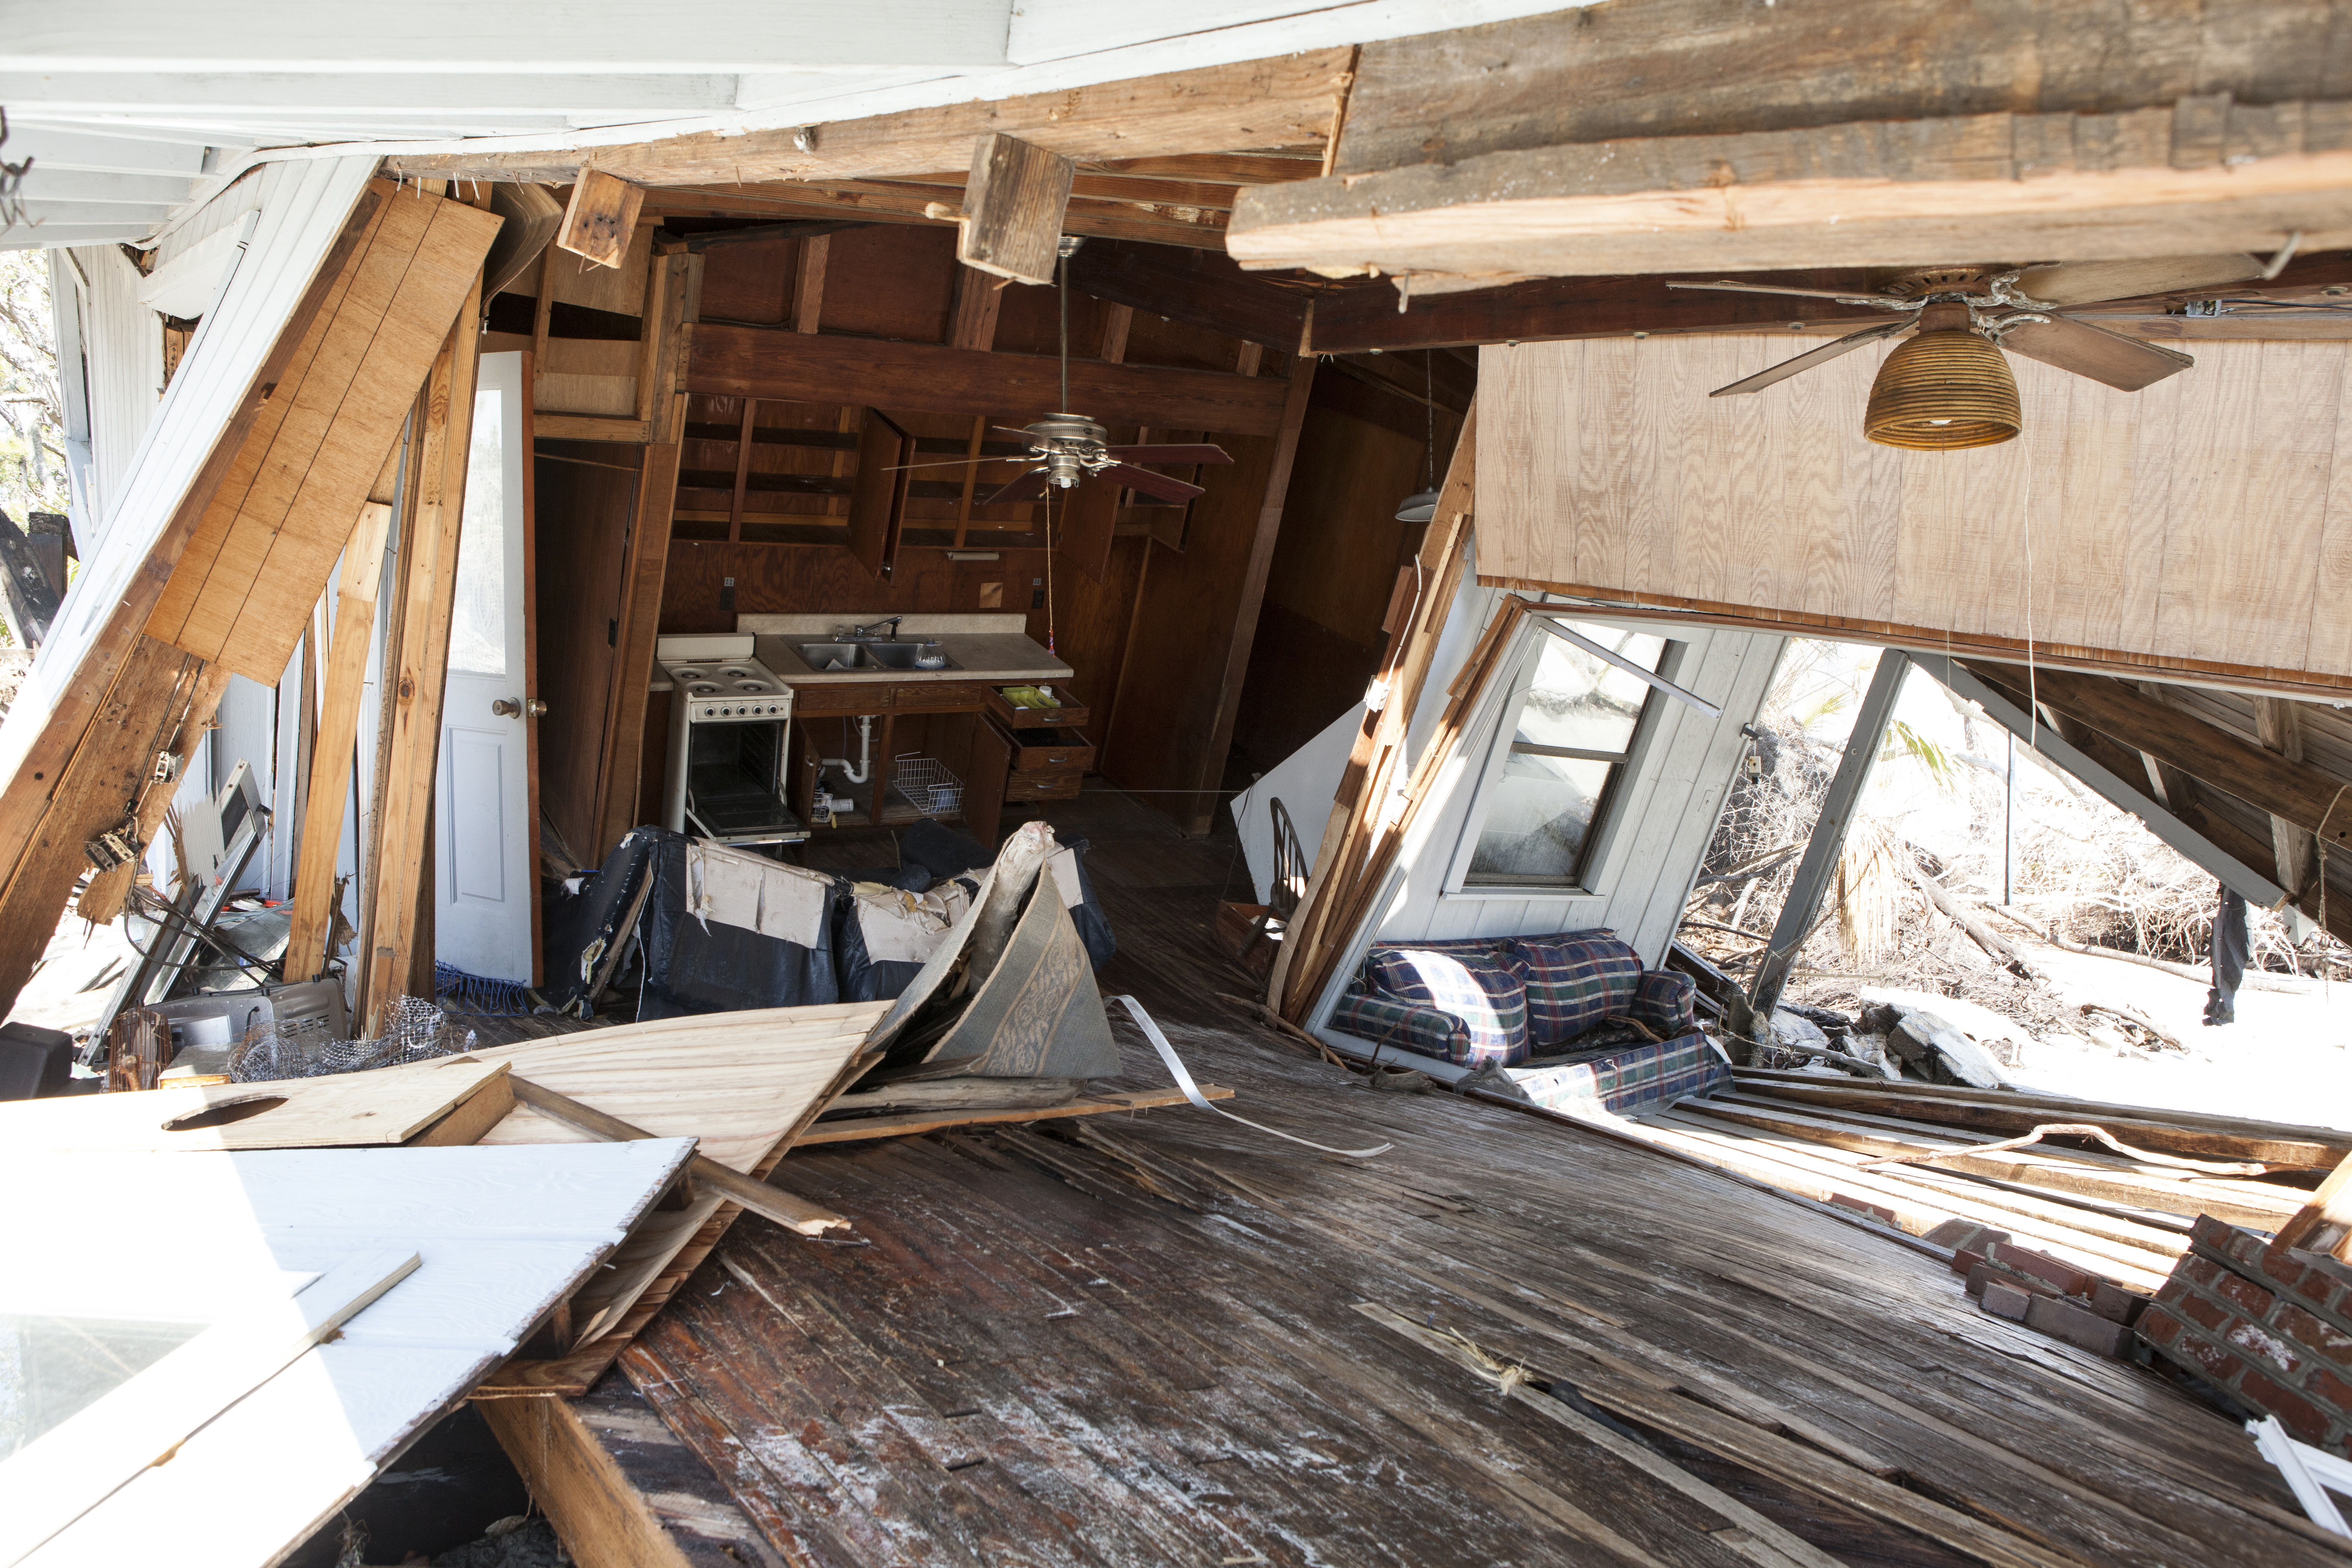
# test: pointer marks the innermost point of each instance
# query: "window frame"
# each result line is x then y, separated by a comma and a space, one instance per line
1608, 815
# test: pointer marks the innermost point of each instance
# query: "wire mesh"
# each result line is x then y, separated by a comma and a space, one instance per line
927, 785
415, 1030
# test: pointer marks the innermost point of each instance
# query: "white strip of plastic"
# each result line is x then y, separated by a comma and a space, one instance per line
1192, 1092
2296, 1462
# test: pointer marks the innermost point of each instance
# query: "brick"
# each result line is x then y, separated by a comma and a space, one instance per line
1977, 1276
2200, 1270
2117, 1304
2004, 1301
2261, 1345
1875, 1211
2204, 1313
2078, 1326
2158, 1327
2216, 1361
1957, 1234
2325, 1385
2062, 1277
2285, 1270
2323, 1340
2299, 1415
1967, 1261
2246, 1296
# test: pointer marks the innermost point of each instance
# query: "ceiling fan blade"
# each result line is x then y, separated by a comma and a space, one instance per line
1009, 430
1804, 361
1147, 481
2087, 282
1200, 454
1851, 297
953, 463
2124, 364
1027, 488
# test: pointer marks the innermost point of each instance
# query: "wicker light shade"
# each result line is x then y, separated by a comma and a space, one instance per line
1941, 391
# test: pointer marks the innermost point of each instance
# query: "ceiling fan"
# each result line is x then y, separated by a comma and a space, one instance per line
1948, 388
1066, 448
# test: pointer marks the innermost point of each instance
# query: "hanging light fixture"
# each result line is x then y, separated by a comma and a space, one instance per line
1944, 389
1422, 505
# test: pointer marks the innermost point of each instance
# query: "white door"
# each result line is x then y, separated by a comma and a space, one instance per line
484, 885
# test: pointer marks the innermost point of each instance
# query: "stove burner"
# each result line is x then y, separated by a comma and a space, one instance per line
702, 689
753, 686
685, 672
734, 671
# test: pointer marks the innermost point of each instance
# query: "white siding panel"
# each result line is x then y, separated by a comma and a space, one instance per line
122, 355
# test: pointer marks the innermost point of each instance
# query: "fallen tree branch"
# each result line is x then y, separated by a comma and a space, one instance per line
2253, 980
1983, 935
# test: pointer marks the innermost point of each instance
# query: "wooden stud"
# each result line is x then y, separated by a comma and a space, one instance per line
742, 470
1117, 320
330, 778
2278, 723
808, 283
542, 313
633, 654
602, 217
602, 1519
1012, 208
651, 337
978, 298
970, 477
429, 568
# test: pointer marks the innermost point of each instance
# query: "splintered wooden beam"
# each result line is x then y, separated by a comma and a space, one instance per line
415, 684
1289, 101
2196, 177
331, 757
1012, 208
601, 217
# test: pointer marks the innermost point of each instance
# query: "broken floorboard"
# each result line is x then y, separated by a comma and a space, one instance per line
909, 1123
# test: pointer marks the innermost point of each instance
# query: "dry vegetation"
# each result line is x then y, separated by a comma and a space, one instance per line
2079, 867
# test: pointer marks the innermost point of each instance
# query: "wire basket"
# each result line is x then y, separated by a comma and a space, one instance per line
927, 785
415, 1030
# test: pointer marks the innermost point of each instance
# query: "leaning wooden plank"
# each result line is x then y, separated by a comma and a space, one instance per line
1758, 1078
1012, 208
859, 1129
2324, 1223
410, 744
332, 758
75, 1465
2147, 182
602, 1519
769, 1203
367, 1108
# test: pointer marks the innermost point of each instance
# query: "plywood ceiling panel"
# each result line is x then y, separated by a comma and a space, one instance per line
2202, 526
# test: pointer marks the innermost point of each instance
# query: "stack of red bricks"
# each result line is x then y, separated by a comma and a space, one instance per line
2271, 1326
2048, 1295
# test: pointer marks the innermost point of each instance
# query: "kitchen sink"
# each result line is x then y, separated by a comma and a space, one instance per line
840, 656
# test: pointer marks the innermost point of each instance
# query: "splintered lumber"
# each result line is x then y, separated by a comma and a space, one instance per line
2324, 1223
2181, 1132
1012, 208
409, 743
2112, 1179
770, 1203
602, 1519
600, 218
342, 1109
331, 756
1358, 844
854, 1130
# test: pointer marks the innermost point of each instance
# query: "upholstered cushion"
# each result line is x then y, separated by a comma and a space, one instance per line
1404, 1026
1574, 981
1665, 1000
1482, 991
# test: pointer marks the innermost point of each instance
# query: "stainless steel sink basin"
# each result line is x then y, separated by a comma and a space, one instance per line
845, 656
905, 656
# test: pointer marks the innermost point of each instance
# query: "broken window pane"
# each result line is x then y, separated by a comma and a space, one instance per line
1582, 703
51, 1367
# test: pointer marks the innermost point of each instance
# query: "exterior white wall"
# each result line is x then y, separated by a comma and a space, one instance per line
1656, 828
1306, 782
121, 345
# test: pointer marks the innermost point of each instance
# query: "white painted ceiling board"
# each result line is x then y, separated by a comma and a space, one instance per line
502, 1233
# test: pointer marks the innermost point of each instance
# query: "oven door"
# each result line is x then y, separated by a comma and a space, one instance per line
733, 781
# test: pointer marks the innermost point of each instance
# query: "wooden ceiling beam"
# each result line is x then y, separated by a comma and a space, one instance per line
753, 361
1290, 101
1199, 288
878, 201
1699, 68
2199, 176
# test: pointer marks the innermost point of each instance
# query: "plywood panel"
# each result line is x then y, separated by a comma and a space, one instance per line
375, 1108
2203, 525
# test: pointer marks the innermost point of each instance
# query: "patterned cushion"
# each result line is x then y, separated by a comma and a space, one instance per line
1480, 990
1404, 1026
1574, 981
1667, 1001
1639, 1078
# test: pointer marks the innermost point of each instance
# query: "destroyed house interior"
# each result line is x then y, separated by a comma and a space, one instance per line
944, 783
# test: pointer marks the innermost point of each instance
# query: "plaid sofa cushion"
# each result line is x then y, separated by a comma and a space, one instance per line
1405, 1026
1468, 981
1641, 1077
1665, 1000
1574, 981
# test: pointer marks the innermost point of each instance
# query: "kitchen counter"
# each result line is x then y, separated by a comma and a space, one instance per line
984, 646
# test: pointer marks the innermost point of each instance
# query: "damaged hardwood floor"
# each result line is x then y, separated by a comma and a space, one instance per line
1171, 1339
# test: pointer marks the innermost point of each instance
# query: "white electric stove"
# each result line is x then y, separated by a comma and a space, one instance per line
728, 720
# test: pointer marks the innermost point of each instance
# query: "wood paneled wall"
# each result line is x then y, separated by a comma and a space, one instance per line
584, 492
2202, 526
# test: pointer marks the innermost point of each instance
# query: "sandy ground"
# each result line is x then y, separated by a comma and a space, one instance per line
2286, 1059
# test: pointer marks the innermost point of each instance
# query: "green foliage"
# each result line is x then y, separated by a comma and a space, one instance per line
32, 409
1904, 742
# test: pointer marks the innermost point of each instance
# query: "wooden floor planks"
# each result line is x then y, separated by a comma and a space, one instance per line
1024, 1355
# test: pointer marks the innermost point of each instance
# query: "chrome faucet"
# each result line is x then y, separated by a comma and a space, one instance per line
874, 632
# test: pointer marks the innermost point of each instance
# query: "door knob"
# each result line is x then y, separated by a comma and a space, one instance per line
533, 708
506, 706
